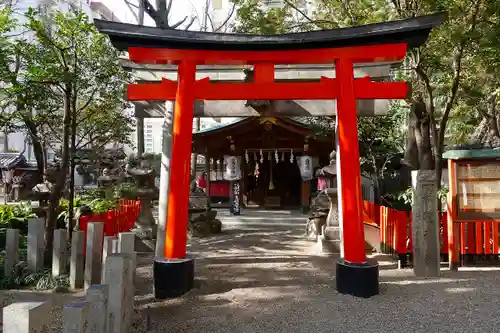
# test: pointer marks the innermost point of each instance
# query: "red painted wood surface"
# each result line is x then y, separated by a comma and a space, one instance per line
349, 168
344, 88
122, 219
178, 199
370, 53
327, 88
475, 238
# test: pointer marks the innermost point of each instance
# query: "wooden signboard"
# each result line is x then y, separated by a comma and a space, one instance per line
478, 189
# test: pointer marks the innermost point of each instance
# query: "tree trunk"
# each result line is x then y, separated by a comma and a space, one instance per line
71, 210
38, 148
418, 154
55, 196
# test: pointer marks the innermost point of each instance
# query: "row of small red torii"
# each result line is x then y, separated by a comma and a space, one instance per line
344, 88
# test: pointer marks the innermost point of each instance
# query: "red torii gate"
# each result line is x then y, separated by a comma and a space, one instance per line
355, 274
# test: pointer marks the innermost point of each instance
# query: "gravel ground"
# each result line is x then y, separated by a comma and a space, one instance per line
262, 278
268, 279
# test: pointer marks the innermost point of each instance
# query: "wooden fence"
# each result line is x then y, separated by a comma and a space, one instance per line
478, 241
115, 221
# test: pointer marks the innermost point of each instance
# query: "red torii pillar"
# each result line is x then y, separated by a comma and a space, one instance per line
355, 275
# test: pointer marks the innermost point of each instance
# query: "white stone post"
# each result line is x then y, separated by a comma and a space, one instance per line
118, 279
27, 317
107, 249
115, 245
11, 251
75, 317
425, 224
93, 254
60, 252
129, 303
77, 263
97, 296
126, 241
36, 228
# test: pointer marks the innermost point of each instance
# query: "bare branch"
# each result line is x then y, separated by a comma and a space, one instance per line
179, 23
190, 23
130, 5
226, 21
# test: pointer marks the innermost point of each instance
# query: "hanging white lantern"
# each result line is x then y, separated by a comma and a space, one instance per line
291, 155
276, 156
305, 167
232, 171
247, 158
261, 157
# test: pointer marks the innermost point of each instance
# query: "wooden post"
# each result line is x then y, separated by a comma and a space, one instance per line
305, 191
355, 275
453, 232
351, 217
176, 238
207, 180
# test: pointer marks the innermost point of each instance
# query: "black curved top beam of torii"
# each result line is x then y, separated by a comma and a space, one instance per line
412, 31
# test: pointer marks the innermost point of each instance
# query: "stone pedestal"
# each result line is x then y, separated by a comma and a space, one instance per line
27, 317
330, 240
172, 277
11, 251
425, 224
93, 254
60, 252
76, 269
145, 228
36, 244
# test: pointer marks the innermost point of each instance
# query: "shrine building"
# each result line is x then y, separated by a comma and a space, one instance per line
268, 149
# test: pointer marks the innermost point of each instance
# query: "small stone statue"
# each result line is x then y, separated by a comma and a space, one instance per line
105, 179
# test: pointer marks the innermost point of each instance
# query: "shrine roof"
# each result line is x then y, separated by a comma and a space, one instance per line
11, 160
412, 31
465, 154
295, 122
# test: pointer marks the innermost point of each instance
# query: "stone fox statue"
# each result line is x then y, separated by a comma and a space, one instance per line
418, 154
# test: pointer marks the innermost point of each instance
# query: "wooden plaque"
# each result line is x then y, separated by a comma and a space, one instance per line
478, 190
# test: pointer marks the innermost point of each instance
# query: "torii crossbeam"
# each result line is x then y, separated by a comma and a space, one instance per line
383, 42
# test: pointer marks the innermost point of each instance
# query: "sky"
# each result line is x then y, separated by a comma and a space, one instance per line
180, 9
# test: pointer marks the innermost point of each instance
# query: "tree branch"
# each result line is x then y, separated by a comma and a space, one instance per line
309, 19
91, 98
153, 13
130, 5
226, 21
